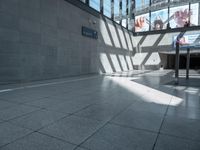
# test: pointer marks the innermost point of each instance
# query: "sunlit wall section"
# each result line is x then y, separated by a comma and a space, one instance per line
129, 42
134, 41
123, 62
128, 59
104, 33
138, 59
122, 38
115, 37
151, 40
106, 64
153, 60
115, 62
167, 39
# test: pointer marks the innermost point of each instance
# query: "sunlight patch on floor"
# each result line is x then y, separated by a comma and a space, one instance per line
146, 93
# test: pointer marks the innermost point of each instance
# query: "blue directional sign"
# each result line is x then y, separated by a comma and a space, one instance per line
187, 40
88, 32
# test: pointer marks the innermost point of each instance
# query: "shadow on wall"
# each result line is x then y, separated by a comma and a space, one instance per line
121, 51
115, 52
147, 56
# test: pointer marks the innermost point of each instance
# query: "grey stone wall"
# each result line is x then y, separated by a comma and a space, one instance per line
41, 39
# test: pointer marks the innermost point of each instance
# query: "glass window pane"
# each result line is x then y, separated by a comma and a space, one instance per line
116, 11
141, 4
194, 18
124, 13
95, 4
107, 8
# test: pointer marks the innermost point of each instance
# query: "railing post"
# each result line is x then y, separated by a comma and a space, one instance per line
120, 11
101, 6
177, 62
188, 63
87, 2
112, 9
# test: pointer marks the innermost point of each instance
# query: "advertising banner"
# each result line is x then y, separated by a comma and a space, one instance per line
179, 16
187, 40
142, 23
159, 19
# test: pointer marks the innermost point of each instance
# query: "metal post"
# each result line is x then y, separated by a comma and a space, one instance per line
87, 2
177, 63
132, 15
120, 12
127, 12
188, 63
112, 9
101, 6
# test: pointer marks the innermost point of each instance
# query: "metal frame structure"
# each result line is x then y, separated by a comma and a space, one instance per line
132, 11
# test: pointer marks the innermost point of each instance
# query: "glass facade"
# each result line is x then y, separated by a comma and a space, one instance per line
149, 15
116, 11
95, 4
172, 16
107, 8
124, 16
141, 4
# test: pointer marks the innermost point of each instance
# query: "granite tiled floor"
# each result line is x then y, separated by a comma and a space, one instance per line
136, 110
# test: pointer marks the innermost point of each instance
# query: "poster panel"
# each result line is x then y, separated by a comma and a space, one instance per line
142, 23
188, 40
179, 16
159, 19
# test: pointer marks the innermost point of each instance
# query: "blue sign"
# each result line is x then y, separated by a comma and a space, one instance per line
187, 40
88, 32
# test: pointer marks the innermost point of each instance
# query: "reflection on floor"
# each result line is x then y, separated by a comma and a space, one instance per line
136, 110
